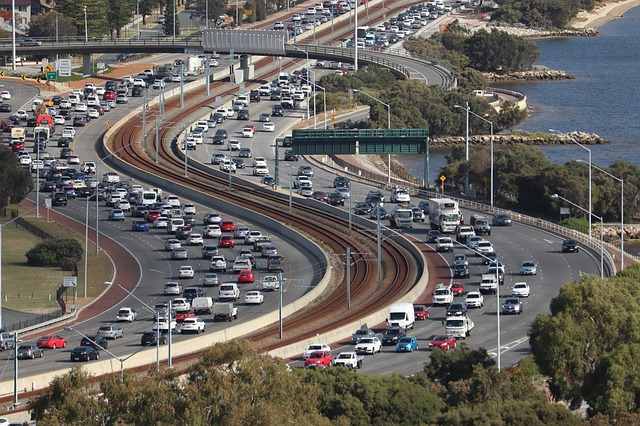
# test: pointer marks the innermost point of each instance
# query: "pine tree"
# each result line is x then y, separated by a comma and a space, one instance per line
96, 15
168, 18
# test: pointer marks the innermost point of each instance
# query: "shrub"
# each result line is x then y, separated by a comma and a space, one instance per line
63, 252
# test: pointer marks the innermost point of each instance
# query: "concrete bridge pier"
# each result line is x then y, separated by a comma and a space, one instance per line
87, 64
247, 67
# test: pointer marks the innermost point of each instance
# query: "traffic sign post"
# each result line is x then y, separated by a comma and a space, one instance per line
70, 281
442, 179
52, 75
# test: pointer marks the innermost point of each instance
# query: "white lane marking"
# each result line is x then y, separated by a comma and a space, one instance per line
508, 346
548, 241
156, 271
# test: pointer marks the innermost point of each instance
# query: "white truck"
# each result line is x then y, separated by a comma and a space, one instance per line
443, 295
459, 326
488, 284
402, 218
202, 305
444, 214
348, 360
401, 315
224, 311
194, 66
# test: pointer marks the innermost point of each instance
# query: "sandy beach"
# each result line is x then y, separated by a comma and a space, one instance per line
604, 14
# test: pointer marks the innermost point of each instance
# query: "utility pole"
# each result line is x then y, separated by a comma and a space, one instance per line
144, 117
158, 341
281, 284
181, 85
97, 222
348, 264
13, 33
86, 248
170, 318
38, 178
355, 38
379, 243
15, 368
466, 152
290, 191
349, 215
276, 173
157, 140
207, 73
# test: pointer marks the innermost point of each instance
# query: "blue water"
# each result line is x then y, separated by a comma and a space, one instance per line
604, 98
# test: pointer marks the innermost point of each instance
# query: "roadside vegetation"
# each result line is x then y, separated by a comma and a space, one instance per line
540, 13
15, 181
525, 180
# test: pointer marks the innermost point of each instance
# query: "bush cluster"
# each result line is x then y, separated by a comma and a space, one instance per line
64, 253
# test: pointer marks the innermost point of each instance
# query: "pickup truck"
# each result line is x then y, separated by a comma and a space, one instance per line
348, 360
110, 332
224, 311
126, 314
459, 326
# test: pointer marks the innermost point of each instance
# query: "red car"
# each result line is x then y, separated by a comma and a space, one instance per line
227, 226
109, 95
226, 242
457, 288
181, 316
17, 146
246, 277
443, 343
153, 215
51, 342
318, 360
421, 312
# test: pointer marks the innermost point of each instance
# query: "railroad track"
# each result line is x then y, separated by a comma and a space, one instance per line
331, 231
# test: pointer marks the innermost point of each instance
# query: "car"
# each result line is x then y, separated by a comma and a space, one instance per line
192, 325
502, 220
362, 332
348, 360
248, 132
228, 226
172, 244
456, 310
140, 226
421, 312
213, 219
570, 246
185, 272
290, 156
212, 231
520, 289
460, 259
407, 344
96, 342
368, 345
218, 263
180, 253
226, 241
110, 332
512, 306
484, 247
268, 127
457, 288
241, 263
528, 268
442, 342
163, 325
51, 342
5, 95
172, 289
180, 304
246, 277
474, 299
254, 297
392, 334
319, 359
210, 279
93, 113
150, 338
196, 239
315, 347
30, 351
116, 215
126, 314
84, 353
270, 282
444, 244
461, 271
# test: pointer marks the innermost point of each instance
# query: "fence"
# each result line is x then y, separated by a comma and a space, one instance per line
32, 320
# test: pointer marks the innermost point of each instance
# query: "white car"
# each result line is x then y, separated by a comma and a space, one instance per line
212, 218
93, 113
70, 132
180, 305
315, 347
485, 247
234, 145
172, 289
348, 360
218, 263
242, 264
189, 209
196, 239
172, 244
100, 90
139, 82
270, 282
5, 95
473, 242
81, 107
228, 166
269, 126
38, 165
368, 345
185, 272
254, 297
25, 160
213, 231
65, 104
520, 289
158, 84
173, 201
126, 314
164, 324
210, 279
192, 325
73, 160
260, 171
58, 119
474, 299
248, 132
259, 161
162, 222
124, 205
528, 268
22, 114
252, 236
444, 244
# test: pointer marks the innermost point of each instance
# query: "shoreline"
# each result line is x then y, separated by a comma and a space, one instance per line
603, 15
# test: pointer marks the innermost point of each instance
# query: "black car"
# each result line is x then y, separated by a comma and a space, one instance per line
222, 134
64, 142
336, 199
150, 338
59, 199
136, 91
502, 220
433, 235
84, 353
243, 114
56, 99
111, 85
340, 181
392, 335
277, 111
96, 342
456, 309
48, 186
239, 162
30, 351
362, 209
460, 271
254, 96
79, 121
268, 180
191, 293
4, 107
66, 153
218, 118
489, 257
276, 95
290, 156
570, 246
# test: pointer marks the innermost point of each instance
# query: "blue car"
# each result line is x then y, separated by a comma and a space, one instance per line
268, 180
140, 226
117, 214
407, 344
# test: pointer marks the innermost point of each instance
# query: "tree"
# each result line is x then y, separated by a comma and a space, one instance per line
15, 181
216, 9
97, 24
499, 51
169, 18
44, 25
120, 14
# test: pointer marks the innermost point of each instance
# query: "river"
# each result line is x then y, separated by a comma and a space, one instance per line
604, 98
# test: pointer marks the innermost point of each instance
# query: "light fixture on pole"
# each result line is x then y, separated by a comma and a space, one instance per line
491, 140
86, 25
557, 196
324, 99
355, 38
467, 109
590, 165
621, 209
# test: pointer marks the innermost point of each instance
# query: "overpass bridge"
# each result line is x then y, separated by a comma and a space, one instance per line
241, 42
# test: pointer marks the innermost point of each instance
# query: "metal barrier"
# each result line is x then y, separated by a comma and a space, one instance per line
35, 320
245, 41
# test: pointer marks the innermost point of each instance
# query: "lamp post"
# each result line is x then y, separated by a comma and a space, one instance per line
491, 139
388, 107
556, 196
13, 33
621, 210
324, 99
467, 109
86, 25
497, 295
1, 226
590, 166
138, 16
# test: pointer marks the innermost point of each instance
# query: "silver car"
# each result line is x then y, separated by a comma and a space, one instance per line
210, 279
180, 253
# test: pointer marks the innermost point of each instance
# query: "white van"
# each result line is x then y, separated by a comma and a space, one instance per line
149, 198
228, 291
283, 79
401, 315
175, 224
202, 305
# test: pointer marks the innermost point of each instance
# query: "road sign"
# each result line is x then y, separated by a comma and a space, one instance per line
443, 178
70, 282
49, 68
47, 203
64, 67
52, 75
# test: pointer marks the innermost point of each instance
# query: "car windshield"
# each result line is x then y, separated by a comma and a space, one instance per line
123, 312
473, 296
107, 328
344, 356
397, 316
511, 302
405, 340
442, 292
528, 265
455, 323
366, 340
315, 347
520, 286
393, 331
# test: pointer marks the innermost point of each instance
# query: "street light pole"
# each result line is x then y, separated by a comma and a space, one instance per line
355, 38
138, 16
491, 140
348, 265
467, 109
86, 247
379, 244
13, 33
281, 285
86, 26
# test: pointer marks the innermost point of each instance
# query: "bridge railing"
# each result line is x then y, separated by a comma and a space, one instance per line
76, 41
